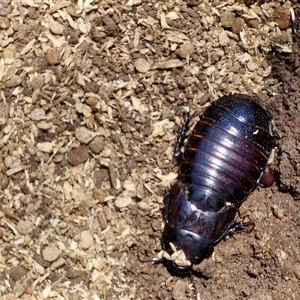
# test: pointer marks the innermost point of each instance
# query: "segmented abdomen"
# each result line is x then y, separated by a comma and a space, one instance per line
227, 151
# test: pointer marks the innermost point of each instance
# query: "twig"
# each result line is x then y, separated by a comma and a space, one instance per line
9, 214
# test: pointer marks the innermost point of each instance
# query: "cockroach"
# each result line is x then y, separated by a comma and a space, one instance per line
225, 157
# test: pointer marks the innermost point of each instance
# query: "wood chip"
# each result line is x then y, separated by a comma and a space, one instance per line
172, 63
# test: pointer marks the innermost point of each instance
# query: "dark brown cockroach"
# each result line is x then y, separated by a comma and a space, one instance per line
226, 156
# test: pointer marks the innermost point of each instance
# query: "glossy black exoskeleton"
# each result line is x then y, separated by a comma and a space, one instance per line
226, 156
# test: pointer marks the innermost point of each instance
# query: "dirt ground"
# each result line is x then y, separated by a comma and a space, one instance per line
92, 95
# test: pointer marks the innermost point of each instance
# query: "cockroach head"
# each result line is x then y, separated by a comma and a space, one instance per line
194, 246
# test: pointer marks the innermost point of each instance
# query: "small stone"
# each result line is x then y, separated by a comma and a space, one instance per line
262, 97
39, 259
227, 18
99, 195
56, 27
4, 181
223, 38
115, 182
50, 253
37, 114
86, 111
44, 125
297, 271
84, 135
17, 273
282, 17
37, 82
277, 212
92, 101
109, 24
6, 9
101, 176
237, 25
253, 23
33, 13
78, 156
186, 49
102, 220
96, 145
40, 63
97, 34
74, 273
142, 65
252, 65
122, 202
57, 264
144, 206
53, 56
25, 227
38, 268
18, 289
9, 52
191, 12
86, 239
109, 215
13, 82
280, 37
110, 238
91, 87
4, 23
59, 71
11, 162
46, 147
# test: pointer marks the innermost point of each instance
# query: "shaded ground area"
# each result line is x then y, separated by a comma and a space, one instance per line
92, 96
